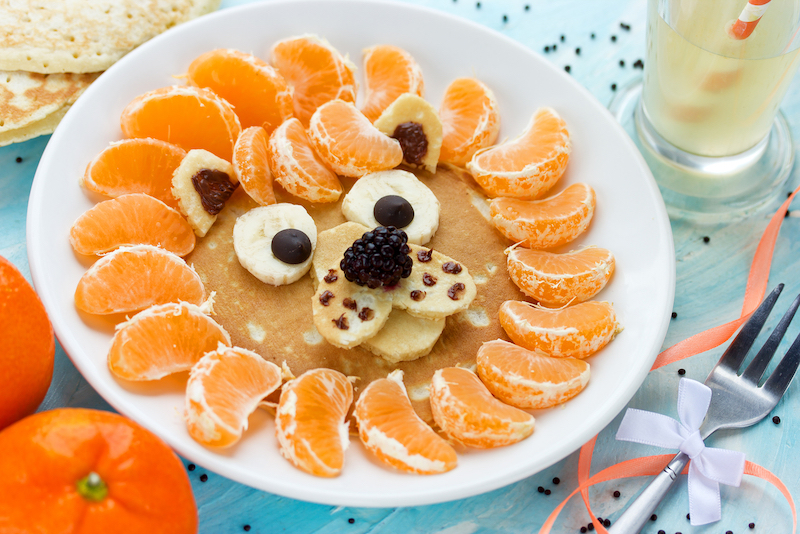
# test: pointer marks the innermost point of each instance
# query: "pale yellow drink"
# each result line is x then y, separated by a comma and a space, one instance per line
709, 94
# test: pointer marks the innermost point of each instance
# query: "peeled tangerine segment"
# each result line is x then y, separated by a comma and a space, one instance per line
468, 413
134, 219
134, 278
164, 339
574, 332
389, 71
470, 120
251, 166
414, 122
224, 388
391, 430
546, 223
350, 144
555, 280
528, 380
310, 421
298, 168
528, 166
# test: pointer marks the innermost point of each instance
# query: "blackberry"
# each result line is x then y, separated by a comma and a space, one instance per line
379, 258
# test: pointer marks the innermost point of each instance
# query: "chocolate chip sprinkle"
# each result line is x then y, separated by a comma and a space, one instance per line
424, 255
350, 304
451, 267
418, 295
341, 323
331, 277
366, 314
325, 298
455, 291
428, 280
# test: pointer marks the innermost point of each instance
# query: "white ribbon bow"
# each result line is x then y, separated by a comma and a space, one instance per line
708, 468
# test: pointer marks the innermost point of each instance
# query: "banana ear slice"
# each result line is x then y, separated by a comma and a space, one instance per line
202, 183
415, 123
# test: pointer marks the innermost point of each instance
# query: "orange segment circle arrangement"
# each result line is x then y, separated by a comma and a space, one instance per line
134, 219
470, 120
298, 168
225, 387
573, 332
316, 72
190, 117
466, 411
527, 379
390, 429
389, 71
349, 143
28, 347
546, 223
555, 280
134, 278
251, 165
528, 166
260, 96
310, 421
163, 339
78, 470
135, 166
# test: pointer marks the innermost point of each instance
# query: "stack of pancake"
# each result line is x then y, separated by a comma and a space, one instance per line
51, 50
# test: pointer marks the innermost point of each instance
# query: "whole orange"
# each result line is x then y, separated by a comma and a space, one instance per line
79, 471
26, 361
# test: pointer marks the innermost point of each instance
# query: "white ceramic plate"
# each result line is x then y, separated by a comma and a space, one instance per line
630, 220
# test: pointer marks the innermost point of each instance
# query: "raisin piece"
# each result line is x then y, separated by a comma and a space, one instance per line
424, 256
325, 298
350, 304
341, 323
331, 277
451, 267
418, 295
366, 314
455, 291
428, 280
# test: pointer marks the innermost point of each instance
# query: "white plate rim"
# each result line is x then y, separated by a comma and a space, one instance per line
39, 263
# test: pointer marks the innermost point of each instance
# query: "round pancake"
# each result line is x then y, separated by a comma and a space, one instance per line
276, 322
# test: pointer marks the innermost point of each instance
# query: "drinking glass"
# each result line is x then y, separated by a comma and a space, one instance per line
706, 113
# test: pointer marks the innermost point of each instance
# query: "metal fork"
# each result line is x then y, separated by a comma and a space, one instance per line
737, 401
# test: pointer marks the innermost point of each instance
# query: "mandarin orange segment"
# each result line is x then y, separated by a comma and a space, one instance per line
468, 413
391, 430
310, 421
190, 117
528, 166
225, 386
389, 71
260, 96
134, 278
316, 71
470, 120
558, 279
546, 223
349, 143
298, 168
573, 332
164, 339
135, 166
251, 165
525, 379
134, 219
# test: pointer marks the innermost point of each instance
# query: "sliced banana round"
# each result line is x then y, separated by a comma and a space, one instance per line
264, 235
415, 124
371, 190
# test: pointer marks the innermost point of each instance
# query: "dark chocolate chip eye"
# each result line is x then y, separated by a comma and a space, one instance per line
291, 246
393, 210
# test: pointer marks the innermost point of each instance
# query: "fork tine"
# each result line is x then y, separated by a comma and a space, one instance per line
756, 368
735, 353
782, 376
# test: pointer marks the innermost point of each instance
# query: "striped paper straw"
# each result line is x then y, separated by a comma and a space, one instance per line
746, 23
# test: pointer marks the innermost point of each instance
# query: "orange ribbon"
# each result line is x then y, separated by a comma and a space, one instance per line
652, 465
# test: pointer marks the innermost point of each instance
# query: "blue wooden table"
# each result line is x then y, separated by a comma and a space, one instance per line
711, 276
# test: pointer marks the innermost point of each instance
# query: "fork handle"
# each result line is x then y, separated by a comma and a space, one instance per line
638, 513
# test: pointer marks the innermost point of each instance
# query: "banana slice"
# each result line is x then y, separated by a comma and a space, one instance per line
404, 337
331, 245
275, 243
415, 123
438, 286
202, 183
394, 198
347, 314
